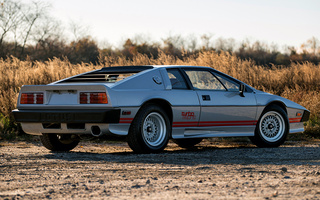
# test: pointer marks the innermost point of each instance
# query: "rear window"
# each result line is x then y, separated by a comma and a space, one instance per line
107, 74
99, 78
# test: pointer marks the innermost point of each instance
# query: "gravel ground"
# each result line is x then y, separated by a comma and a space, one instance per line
212, 170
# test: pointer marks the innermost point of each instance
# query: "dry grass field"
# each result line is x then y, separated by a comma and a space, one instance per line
297, 82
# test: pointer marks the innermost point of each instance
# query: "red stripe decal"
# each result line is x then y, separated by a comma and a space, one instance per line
295, 120
125, 120
247, 124
225, 123
214, 123
184, 124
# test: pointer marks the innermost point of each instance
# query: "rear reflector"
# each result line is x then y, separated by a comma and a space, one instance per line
31, 98
93, 98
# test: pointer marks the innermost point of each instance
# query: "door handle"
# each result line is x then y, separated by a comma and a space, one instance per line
206, 97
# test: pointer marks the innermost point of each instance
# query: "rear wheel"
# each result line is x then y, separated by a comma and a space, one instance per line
188, 142
150, 130
59, 142
272, 128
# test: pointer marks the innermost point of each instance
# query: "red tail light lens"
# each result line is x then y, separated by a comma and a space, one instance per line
93, 98
83, 98
98, 98
39, 98
31, 98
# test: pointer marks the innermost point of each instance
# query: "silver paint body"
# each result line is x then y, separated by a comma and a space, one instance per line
227, 114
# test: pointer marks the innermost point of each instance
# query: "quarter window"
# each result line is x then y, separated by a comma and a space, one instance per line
176, 79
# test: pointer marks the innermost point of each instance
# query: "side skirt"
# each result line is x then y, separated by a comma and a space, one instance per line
185, 132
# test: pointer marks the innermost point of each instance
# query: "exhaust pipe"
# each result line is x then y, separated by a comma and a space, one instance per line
96, 131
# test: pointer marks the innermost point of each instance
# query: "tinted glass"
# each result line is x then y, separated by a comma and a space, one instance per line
204, 80
230, 85
176, 79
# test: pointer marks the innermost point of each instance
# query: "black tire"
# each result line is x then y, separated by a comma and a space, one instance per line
272, 127
188, 142
150, 130
63, 142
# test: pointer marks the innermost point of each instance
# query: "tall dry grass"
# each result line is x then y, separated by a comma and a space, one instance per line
297, 82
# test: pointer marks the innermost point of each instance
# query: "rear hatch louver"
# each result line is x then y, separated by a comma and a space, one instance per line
106, 75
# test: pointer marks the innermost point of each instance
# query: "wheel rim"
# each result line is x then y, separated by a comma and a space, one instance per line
272, 126
154, 129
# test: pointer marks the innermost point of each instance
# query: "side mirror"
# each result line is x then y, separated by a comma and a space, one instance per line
242, 89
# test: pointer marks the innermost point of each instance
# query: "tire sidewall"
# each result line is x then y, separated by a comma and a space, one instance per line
259, 139
51, 142
136, 129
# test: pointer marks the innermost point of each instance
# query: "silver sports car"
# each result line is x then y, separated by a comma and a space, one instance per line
151, 104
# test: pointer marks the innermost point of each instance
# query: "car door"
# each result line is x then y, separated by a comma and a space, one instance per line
184, 101
223, 109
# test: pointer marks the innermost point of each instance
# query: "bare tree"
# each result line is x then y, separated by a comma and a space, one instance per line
225, 44
206, 41
17, 21
10, 18
193, 42
31, 14
312, 46
78, 30
47, 28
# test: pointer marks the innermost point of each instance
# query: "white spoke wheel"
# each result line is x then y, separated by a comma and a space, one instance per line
154, 129
150, 130
272, 128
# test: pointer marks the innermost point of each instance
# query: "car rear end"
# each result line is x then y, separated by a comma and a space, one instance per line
76, 105
65, 109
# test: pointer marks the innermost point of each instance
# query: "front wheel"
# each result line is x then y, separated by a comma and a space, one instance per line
59, 142
272, 128
150, 130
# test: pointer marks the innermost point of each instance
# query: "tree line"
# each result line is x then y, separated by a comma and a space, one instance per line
27, 31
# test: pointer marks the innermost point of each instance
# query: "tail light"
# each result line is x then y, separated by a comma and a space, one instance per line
93, 98
31, 98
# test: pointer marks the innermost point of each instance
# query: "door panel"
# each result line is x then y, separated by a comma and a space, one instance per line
226, 109
222, 109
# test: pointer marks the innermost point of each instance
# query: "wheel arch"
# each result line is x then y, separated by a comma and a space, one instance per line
278, 103
137, 139
164, 104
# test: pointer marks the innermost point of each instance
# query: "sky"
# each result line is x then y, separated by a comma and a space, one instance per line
282, 22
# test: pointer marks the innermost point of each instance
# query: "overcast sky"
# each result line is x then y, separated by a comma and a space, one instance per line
289, 22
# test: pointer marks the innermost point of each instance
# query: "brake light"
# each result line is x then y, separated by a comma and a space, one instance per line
93, 98
83, 98
31, 98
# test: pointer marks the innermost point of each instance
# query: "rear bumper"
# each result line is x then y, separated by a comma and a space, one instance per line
67, 116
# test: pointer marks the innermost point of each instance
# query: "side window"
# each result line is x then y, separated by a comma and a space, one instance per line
230, 85
204, 80
176, 79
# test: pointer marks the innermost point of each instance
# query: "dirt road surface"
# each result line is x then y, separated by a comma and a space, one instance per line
213, 170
